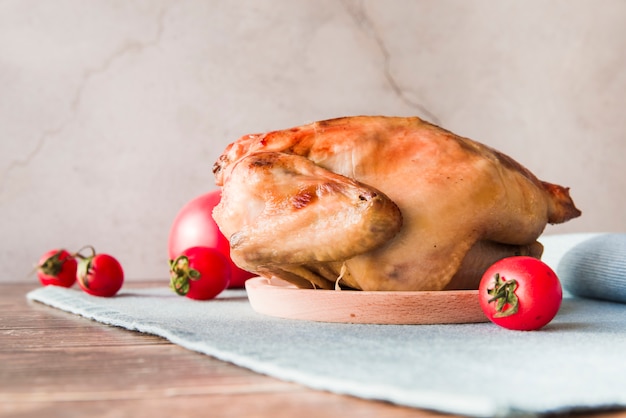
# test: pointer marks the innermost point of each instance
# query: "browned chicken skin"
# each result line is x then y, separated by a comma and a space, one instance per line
379, 203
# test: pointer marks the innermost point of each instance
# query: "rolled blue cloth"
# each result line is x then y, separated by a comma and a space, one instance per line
596, 268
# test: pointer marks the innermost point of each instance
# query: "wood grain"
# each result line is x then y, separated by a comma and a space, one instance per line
278, 298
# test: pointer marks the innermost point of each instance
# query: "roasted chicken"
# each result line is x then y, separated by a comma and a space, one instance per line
379, 203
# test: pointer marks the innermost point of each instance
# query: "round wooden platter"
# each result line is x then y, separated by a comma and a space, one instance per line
275, 297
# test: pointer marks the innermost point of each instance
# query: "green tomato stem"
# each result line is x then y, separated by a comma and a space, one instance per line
53, 265
503, 294
78, 254
181, 273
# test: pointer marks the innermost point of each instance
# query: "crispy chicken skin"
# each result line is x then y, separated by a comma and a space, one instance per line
379, 203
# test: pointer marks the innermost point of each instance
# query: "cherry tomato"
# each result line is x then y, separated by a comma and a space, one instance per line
520, 293
194, 226
100, 275
200, 273
57, 268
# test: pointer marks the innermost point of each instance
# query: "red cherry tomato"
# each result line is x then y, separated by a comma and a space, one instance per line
194, 226
57, 268
200, 273
520, 293
100, 275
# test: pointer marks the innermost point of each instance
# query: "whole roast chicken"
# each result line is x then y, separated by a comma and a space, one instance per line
379, 203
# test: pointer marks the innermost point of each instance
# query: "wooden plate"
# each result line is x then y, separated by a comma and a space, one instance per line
278, 298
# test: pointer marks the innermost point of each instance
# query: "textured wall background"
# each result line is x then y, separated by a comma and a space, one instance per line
113, 111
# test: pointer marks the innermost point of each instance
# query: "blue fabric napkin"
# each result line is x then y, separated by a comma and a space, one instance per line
596, 268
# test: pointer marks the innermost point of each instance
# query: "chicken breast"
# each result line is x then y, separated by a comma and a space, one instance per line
379, 203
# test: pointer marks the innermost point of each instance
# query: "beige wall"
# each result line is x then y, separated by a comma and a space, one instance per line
112, 112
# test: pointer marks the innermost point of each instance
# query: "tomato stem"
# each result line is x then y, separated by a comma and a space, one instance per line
84, 264
86, 247
181, 273
503, 294
53, 265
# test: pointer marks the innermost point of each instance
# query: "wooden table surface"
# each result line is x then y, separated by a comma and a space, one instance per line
55, 364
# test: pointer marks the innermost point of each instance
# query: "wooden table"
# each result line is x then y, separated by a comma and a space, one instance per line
55, 364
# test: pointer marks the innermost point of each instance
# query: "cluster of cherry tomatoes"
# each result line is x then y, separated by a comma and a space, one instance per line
199, 259
200, 263
96, 274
